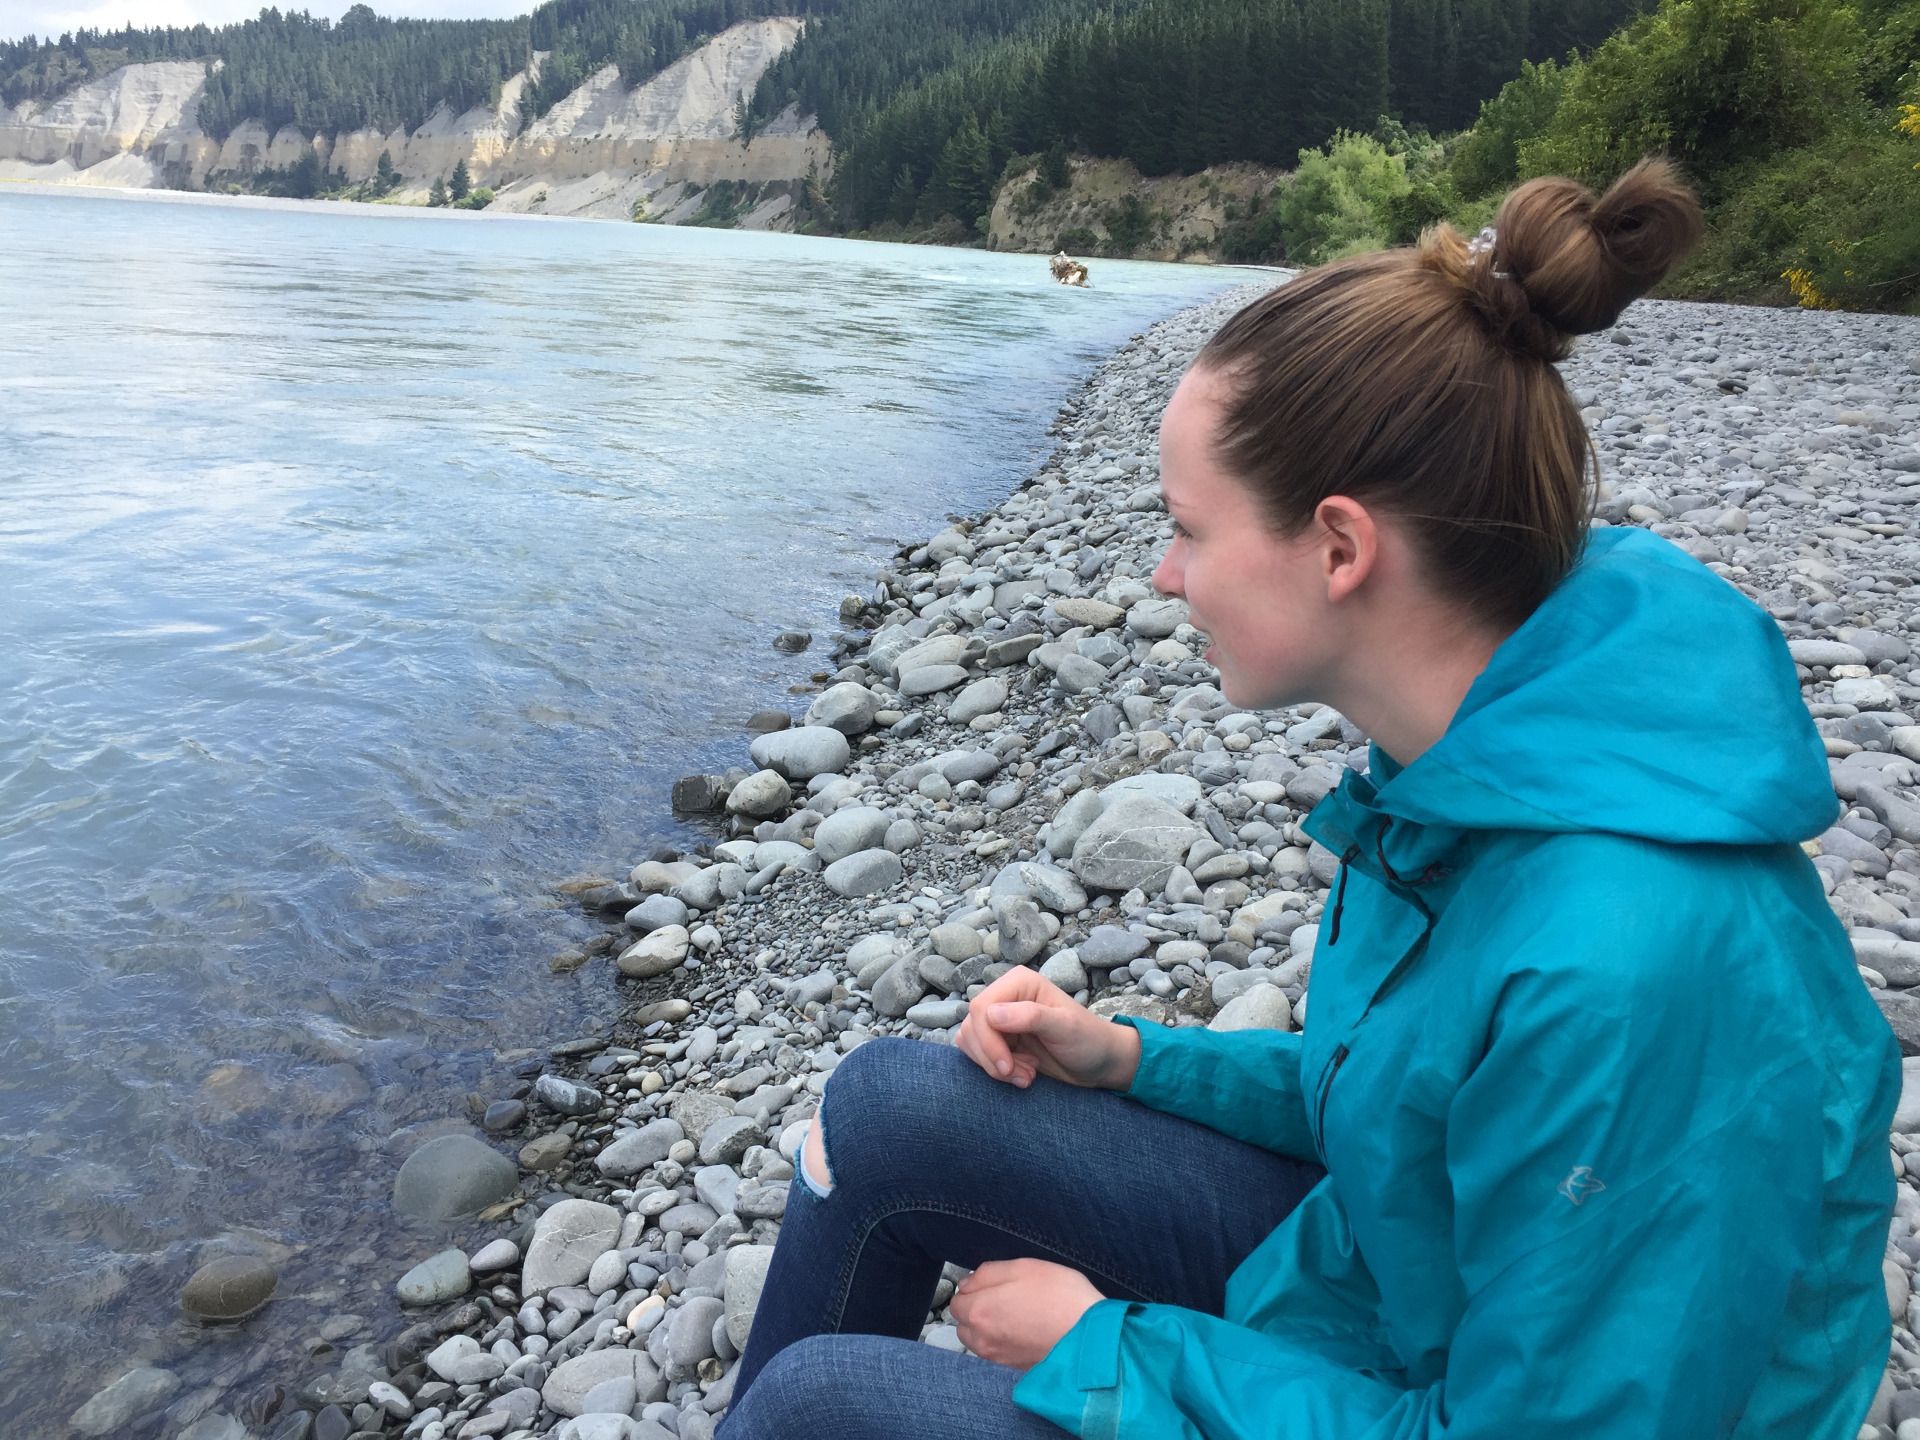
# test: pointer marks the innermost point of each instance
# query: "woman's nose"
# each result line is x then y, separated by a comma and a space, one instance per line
1166, 575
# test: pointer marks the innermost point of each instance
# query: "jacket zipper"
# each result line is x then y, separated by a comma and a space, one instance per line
1407, 962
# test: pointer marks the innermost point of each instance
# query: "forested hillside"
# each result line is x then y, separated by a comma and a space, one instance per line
927, 102
363, 70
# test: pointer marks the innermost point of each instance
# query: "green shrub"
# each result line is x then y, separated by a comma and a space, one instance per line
1718, 83
1131, 223
1338, 200
1487, 157
1078, 241
1840, 215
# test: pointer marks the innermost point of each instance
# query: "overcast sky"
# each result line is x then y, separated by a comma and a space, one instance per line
50, 17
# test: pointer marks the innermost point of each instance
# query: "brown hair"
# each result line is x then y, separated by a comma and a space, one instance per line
1421, 381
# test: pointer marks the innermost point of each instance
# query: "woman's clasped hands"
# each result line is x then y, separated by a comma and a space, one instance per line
1022, 1025
1013, 1312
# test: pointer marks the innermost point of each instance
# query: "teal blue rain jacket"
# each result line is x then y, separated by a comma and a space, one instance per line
1601, 1096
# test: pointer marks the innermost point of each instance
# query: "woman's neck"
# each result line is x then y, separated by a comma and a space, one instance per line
1413, 684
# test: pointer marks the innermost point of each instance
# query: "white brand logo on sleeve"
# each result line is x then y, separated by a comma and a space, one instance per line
1580, 1183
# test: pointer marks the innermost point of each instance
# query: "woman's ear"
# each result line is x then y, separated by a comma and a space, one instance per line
1349, 544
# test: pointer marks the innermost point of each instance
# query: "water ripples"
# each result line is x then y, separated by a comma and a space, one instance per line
359, 578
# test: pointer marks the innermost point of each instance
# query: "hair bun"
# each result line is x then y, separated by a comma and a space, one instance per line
1581, 261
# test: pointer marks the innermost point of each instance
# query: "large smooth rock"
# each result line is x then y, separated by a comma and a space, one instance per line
847, 707
1182, 792
437, 1278
655, 912
690, 1333
932, 679
866, 873
709, 888
656, 953
136, 1393
765, 792
1080, 611
569, 1097
940, 650
746, 1276
726, 1142
1136, 842
1157, 619
231, 1287
452, 1176
983, 697
567, 1239
567, 1387
802, 753
899, 988
1264, 1007
848, 832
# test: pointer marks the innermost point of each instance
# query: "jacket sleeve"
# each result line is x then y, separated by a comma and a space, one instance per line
1243, 1083
1634, 1194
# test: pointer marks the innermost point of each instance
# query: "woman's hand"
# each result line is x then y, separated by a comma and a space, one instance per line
1021, 1026
1013, 1312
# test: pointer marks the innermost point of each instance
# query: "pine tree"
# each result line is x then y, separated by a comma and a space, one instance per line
461, 183
437, 197
903, 198
385, 177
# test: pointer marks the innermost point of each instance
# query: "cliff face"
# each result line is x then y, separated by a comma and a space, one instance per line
1187, 212
597, 152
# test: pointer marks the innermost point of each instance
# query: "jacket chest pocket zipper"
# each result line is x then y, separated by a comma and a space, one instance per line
1320, 1106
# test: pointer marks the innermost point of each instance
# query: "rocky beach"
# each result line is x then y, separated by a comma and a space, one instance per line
1016, 756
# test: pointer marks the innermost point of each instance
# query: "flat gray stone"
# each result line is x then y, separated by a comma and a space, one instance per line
633, 1151
135, 1394
746, 1275
567, 1239
937, 1014
1136, 842
690, 1333
572, 1380
867, 872
899, 988
1182, 792
932, 679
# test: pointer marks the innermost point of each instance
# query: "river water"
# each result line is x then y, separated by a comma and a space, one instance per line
362, 574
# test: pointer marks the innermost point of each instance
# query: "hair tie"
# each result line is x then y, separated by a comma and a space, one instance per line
1482, 244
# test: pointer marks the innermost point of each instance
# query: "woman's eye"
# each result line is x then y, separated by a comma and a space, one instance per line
1180, 532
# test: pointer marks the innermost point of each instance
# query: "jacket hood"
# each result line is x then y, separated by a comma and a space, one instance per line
1645, 696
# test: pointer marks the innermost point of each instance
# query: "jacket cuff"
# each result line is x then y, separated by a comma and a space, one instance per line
1148, 1085
1085, 1359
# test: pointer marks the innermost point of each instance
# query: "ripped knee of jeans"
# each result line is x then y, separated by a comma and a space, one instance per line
810, 1158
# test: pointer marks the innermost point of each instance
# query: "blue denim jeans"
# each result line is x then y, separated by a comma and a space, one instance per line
933, 1161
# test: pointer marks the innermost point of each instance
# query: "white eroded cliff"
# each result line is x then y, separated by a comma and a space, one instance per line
597, 152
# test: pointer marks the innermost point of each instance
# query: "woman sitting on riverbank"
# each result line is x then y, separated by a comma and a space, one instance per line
1587, 1134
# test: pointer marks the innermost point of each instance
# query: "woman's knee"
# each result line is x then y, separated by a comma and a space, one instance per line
888, 1097
805, 1389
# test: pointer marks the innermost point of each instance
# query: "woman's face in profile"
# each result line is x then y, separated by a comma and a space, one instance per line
1259, 596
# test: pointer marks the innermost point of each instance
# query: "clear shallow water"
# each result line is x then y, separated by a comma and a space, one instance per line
361, 576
